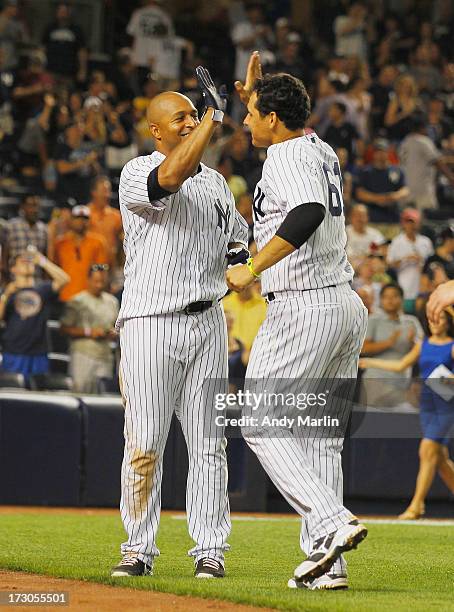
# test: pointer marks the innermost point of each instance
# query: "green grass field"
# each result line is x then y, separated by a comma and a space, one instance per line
398, 567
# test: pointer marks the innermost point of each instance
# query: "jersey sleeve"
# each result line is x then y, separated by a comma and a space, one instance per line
134, 186
294, 178
240, 230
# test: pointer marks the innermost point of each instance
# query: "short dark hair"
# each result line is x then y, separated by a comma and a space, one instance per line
28, 196
446, 234
424, 320
418, 121
395, 286
286, 96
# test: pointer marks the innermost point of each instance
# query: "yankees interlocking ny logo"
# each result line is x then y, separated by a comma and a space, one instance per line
223, 216
257, 205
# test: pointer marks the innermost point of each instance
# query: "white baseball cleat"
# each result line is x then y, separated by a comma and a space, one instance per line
327, 582
328, 549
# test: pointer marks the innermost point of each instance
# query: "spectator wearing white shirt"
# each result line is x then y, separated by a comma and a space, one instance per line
249, 35
420, 161
156, 48
351, 32
408, 253
362, 239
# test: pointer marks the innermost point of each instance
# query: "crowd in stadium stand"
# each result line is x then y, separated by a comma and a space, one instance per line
381, 80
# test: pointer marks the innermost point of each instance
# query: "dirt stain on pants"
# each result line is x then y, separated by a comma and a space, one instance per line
143, 467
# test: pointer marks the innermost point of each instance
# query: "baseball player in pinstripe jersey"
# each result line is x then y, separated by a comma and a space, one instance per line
179, 222
315, 323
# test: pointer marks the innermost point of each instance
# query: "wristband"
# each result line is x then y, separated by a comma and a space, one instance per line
87, 332
42, 261
217, 115
250, 267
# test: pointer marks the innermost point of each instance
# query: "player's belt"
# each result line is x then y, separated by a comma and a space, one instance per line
198, 307
272, 296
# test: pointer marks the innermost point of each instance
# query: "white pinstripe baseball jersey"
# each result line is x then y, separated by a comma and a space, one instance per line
296, 172
175, 247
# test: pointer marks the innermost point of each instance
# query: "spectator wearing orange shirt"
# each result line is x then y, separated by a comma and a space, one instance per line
104, 219
77, 251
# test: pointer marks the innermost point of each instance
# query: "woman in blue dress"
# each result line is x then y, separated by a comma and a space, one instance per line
436, 413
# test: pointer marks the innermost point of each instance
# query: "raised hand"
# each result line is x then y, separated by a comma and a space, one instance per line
441, 298
254, 72
212, 97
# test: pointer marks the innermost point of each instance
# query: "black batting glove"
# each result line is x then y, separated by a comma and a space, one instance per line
216, 98
236, 256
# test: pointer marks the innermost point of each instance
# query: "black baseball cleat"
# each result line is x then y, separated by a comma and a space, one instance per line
209, 568
130, 566
328, 549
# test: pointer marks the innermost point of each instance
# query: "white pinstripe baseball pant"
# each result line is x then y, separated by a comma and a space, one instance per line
308, 335
164, 362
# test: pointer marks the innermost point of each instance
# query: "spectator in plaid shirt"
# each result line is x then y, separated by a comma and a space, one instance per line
22, 231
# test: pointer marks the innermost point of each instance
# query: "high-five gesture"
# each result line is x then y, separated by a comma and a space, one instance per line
254, 72
213, 97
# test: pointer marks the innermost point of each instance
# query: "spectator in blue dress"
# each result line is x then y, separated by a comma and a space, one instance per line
25, 307
436, 410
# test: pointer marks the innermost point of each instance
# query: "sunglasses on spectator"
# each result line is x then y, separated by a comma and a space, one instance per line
99, 268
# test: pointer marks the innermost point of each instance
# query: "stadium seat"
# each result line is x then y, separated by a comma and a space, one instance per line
438, 214
107, 386
12, 380
9, 207
56, 341
59, 363
53, 381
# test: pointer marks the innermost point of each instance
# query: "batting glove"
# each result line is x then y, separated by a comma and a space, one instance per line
237, 256
217, 99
